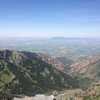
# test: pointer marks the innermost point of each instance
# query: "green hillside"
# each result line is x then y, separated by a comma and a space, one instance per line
25, 73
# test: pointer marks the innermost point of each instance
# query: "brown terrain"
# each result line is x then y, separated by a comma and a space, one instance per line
82, 66
53, 61
79, 66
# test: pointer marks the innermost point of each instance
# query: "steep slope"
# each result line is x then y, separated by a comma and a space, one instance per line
86, 70
83, 64
26, 73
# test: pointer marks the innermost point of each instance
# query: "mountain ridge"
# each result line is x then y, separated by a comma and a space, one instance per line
26, 73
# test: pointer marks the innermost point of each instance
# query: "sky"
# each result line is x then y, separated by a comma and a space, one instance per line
49, 18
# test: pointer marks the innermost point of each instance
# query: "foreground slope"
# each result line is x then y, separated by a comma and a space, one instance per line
26, 73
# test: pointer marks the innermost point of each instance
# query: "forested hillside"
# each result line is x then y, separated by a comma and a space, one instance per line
26, 73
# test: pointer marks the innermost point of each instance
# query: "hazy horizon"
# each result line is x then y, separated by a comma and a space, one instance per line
49, 37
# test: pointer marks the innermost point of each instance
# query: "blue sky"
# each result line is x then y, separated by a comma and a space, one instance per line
48, 18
